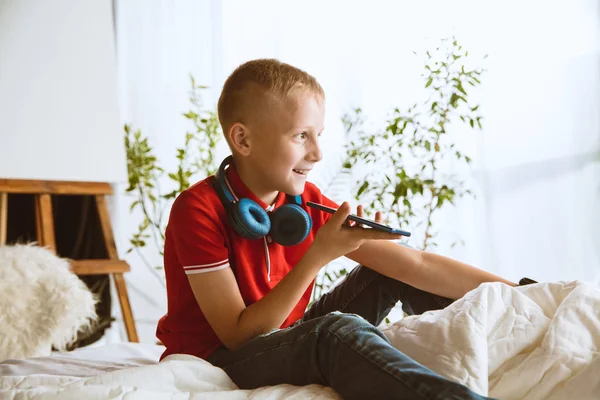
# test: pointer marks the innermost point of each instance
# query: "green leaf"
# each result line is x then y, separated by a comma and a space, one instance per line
135, 203
429, 82
362, 188
454, 100
190, 115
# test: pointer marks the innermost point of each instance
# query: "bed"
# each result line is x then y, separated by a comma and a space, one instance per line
539, 341
131, 371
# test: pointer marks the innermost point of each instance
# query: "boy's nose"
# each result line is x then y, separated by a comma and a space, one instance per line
315, 154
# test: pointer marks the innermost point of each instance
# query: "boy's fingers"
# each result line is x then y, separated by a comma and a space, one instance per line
378, 217
342, 212
359, 212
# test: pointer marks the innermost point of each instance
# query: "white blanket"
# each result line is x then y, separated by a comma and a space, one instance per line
535, 342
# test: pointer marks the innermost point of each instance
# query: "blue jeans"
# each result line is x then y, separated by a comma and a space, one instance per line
337, 344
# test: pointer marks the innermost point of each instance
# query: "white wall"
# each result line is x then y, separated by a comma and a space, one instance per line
536, 171
59, 117
537, 163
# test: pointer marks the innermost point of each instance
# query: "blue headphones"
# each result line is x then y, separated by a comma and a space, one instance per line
288, 225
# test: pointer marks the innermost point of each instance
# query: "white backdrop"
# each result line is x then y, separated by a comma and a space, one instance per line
59, 117
536, 164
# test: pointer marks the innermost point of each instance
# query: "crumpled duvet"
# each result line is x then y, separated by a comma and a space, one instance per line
532, 342
535, 342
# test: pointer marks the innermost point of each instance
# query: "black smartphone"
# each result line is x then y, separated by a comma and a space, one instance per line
360, 220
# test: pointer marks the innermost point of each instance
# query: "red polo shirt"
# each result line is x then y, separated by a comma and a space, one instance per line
199, 239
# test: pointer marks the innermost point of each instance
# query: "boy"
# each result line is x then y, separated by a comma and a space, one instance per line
240, 274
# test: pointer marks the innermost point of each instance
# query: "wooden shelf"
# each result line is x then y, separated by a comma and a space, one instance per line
99, 267
26, 186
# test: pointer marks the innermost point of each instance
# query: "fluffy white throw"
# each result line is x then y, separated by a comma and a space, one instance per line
42, 303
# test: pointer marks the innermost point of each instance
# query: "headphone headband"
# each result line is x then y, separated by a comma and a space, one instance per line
224, 194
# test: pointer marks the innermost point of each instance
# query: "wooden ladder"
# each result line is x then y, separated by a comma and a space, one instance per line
43, 192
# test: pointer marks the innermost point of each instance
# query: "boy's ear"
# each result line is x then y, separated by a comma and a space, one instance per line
239, 137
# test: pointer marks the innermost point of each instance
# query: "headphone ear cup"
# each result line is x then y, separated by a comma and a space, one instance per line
249, 219
290, 225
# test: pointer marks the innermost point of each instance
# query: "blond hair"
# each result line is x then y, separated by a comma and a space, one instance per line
249, 85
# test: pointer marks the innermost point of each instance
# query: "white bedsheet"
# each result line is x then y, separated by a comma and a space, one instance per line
87, 361
535, 342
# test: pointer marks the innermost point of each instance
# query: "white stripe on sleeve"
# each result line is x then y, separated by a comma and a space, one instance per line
200, 270
216, 264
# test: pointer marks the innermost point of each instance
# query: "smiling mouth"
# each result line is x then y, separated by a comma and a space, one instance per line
303, 172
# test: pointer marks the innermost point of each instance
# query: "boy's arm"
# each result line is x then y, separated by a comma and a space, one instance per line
219, 297
430, 272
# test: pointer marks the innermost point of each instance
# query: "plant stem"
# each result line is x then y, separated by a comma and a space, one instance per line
147, 215
431, 208
152, 270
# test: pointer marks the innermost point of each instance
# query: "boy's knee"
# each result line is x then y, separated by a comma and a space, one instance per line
341, 324
343, 330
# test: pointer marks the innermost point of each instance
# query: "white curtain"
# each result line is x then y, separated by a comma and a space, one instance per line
536, 165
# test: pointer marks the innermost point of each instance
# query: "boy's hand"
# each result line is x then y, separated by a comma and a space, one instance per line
336, 238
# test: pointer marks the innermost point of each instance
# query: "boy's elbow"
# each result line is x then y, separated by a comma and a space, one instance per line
232, 342
418, 259
235, 341
241, 333
412, 260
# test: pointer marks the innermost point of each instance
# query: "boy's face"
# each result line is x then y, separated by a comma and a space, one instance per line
284, 146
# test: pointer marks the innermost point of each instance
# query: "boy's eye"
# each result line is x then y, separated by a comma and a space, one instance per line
301, 135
